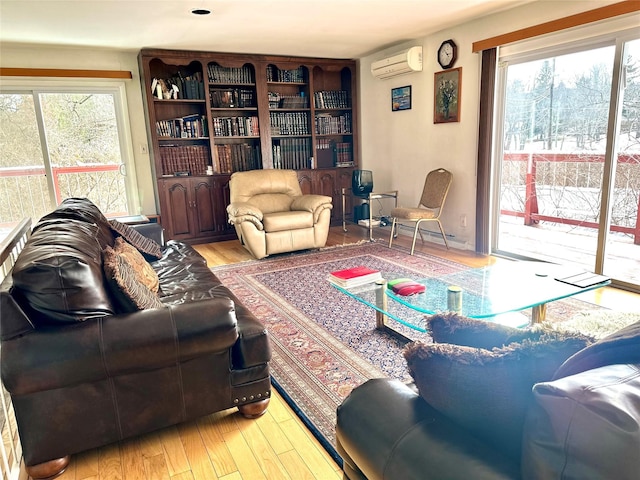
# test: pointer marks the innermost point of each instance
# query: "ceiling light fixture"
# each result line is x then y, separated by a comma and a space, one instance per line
200, 11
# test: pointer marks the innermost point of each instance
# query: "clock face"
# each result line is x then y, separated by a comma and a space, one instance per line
447, 54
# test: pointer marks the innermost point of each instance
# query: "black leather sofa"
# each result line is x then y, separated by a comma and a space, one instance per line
84, 371
584, 423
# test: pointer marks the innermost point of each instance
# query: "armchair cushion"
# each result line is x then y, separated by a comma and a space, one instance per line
488, 391
285, 221
312, 203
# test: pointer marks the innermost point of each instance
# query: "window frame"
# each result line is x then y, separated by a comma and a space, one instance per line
116, 88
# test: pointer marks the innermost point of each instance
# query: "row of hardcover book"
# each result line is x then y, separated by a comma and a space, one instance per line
331, 99
289, 123
218, 74
190, 126
236, 126
274, 74
292, 153
190, 87
232, 98
327, 124
238, 157
184, 158
277, 100
344, 154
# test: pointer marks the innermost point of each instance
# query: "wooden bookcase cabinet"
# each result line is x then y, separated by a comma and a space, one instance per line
248, 112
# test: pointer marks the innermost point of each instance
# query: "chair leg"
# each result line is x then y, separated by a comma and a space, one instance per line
393, 226
444, 237
415, 234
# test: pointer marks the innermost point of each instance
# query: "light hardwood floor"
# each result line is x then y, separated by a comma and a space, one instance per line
276, 446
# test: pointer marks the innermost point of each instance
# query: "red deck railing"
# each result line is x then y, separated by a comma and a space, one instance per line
531, 213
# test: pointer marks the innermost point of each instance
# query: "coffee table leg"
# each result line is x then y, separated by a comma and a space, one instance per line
539, 313
381, 303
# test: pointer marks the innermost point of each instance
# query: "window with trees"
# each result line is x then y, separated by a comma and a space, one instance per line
63, 142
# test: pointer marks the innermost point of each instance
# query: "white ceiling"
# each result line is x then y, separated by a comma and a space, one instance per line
327, 28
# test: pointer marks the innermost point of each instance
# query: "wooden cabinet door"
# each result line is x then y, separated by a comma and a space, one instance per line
305, 179
325, 184
343, 180
203, 207
221, 198
176, 205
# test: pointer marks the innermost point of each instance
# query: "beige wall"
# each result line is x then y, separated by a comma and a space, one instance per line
402, 147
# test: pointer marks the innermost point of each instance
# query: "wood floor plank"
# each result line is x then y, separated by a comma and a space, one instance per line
296, 466
155, 467
217, 449
196, 451
87, 464
232, 476
184, 476
248, 466
132, 460
150, 445
261, 448
271, 429
279, 409
109, 463
174, 453
320, 466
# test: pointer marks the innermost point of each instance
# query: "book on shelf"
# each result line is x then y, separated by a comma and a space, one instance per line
354, 277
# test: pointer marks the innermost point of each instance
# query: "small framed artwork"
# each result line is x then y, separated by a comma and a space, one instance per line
447, 87
401, 98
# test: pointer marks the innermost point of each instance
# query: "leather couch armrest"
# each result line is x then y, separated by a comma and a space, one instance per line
56, 357
154, 231
312, 203
386, 430
244, 212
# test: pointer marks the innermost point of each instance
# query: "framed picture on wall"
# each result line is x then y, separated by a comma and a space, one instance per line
447, 87
401, 98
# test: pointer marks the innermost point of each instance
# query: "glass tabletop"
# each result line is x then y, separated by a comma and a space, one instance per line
489, 293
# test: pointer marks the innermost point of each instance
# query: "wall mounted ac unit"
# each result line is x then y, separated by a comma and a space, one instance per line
406, 61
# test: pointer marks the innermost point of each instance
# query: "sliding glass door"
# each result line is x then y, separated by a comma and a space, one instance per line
567, 181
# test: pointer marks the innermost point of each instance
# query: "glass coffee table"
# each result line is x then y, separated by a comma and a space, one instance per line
493, 293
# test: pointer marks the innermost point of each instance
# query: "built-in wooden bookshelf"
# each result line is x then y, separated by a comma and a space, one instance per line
211, 114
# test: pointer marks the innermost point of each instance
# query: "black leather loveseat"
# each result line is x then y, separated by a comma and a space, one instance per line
478, 412
85, 367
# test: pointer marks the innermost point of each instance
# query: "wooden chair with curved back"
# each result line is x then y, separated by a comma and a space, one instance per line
434, 194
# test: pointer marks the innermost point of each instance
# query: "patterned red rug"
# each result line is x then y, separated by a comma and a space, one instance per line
324, 342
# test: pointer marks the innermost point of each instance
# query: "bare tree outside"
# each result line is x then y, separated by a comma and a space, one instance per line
81, 139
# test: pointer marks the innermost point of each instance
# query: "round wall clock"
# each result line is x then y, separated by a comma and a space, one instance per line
447, 54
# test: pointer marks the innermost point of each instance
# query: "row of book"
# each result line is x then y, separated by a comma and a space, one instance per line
218, 74
344, 154
236, 126
238, 157
190, 87
327, 124
277, 100
331, 99
274, 74
354, 277
190, 126
289, 123
232, 98
292, 153
184, 158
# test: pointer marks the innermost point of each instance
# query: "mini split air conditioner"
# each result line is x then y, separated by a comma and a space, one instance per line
406, 61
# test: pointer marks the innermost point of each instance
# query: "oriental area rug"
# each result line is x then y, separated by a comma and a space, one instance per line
324, 342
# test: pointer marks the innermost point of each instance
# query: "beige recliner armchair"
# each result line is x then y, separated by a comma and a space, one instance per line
271, 215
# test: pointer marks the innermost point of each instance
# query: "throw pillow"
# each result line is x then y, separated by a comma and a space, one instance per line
145, 245
488, 391
144, 272
453, 328
130, 293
